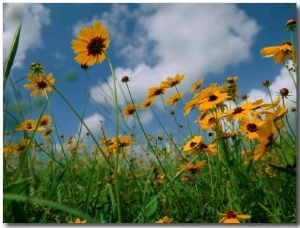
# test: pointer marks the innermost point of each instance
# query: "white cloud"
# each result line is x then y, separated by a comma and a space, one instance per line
93, 124
33, 17
190, 39
146, 117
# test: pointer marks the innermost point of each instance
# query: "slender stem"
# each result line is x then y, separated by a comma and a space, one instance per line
116, 108
184, 113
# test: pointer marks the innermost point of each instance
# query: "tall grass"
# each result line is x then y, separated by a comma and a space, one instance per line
239, 163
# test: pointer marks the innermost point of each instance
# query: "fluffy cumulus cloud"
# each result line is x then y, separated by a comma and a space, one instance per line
32, 17
166, 39
93, 124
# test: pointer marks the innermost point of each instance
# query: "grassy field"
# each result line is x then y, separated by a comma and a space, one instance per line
239, 165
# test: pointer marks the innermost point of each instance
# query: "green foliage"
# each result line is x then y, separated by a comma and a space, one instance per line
141, 178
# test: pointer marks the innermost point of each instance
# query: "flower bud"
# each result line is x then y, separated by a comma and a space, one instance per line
125, 79
284, 91
266, 83
36, 68
291, 24
244, 97
160, 137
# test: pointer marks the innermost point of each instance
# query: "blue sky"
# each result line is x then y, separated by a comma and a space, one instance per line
149, 42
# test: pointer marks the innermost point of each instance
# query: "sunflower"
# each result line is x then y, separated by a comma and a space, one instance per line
172, 100
196, 85
91, 44
232, 217
147, 103
47, 132
244, 110
156, 91
45, 121
193, 168
210, 97
189, 105
210, 121
79, 221
29, 126
194, 142
130, 109
250, 127
165, 219
124, 141
40, 83
280, 53
23, 144
211, 101
265, 137
173, 81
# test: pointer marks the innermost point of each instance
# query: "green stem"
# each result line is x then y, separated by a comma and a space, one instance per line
184, 113
116, 108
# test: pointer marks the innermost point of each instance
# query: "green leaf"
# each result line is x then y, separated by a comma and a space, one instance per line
264, 207
12, 53
15, 188
47, 203
151, 206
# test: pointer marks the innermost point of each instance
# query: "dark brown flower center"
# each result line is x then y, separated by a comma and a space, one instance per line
42, 84
158, 92
251, 127
238, 110
212, 98
44, 123
230, 214
96, 46
211, 120
29, 126
131, 111
202, 146
193, 144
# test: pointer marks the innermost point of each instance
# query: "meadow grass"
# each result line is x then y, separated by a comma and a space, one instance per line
238, 165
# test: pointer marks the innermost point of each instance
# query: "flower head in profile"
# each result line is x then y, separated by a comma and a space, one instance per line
244, 110
47, 132
165, 219
232, 217
189, 105
130, 109
91, 44
172, 100
193, 168
124, 141
156, 91
280, 53
39, 83
196, 86
147, 103
173, 81
265, 136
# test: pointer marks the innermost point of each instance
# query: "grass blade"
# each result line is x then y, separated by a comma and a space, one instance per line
12, 53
